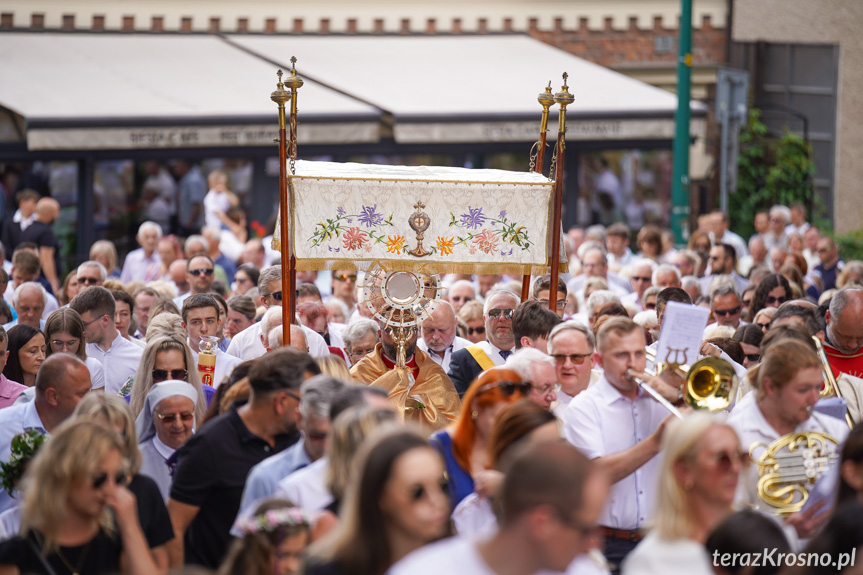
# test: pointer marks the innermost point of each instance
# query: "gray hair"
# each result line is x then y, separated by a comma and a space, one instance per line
20, 288
641, 262
317, 394
331, 300
722, 286
600, 298
652, 290
357, 330
783, 212
837, 302
197, 238
94, 264
150, 226
597, 231
587, 247
665, 268
571, 325
496, 291
274, 311
689, 282
269, 274
523, 360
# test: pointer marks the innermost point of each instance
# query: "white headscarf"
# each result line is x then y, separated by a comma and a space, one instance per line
172, 388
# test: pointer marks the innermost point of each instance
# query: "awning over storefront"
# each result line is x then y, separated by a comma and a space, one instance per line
476, 88
132, 91
110, 91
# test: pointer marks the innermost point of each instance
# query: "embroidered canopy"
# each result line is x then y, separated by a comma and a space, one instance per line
423, 218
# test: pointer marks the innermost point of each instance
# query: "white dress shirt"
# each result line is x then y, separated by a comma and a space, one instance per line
14, 420
138, 267
657, 556
97, 373
600, 422
247, 344
119, 362
751, 427
443, 361
307, 487
225, 363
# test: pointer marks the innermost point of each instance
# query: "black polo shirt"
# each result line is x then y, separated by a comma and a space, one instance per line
211, 474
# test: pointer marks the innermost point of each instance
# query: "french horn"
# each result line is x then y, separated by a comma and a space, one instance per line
789, 467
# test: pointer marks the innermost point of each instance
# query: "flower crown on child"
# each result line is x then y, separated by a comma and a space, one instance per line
273, 520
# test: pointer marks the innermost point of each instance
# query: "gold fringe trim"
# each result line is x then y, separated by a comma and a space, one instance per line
428, 267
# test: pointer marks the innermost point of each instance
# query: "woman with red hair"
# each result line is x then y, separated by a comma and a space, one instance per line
464, 445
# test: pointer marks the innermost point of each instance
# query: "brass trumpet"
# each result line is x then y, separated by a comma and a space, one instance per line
831, 386
710, 383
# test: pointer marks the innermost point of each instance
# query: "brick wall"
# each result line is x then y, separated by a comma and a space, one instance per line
623, 48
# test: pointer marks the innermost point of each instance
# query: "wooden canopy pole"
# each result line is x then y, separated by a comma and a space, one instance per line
280, 97
289, 280
546, 100
563, 99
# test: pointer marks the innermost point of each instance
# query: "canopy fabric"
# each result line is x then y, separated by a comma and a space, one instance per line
428, 218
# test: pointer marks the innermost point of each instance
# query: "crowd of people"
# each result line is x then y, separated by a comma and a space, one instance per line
153, 419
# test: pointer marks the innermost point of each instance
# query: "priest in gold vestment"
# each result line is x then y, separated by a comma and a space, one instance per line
421, 391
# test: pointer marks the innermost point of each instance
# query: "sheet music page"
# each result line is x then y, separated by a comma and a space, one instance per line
682, 328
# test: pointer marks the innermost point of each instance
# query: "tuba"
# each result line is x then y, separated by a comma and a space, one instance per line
710, 383
789, 467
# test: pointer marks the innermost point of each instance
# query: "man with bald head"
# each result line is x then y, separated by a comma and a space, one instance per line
61, 382
467, 363
845, 331
298, 338
41, 233
438, 335
460, 293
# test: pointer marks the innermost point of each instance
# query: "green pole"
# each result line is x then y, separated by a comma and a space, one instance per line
680, 179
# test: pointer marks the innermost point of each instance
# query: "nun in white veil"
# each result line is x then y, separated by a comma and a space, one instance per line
165, 423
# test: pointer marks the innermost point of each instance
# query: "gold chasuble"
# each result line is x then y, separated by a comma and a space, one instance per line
427, 398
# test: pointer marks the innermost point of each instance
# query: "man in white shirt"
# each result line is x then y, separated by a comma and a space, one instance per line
725, 306
201, 318
248, 344
572, 347
119, 356
798, 224
619, 425
594, 263
720, 233
723, 262
29, 300
143, 264
438, 335
550, 500
617, 241
61, 382
467, 363
641, 278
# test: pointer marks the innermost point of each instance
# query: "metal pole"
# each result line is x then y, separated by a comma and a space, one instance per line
680, 179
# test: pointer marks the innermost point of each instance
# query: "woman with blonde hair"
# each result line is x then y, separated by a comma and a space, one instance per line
332, 474
77, 514
105, 253
113, 413
471, 314
166, 358
334, 366
698, 474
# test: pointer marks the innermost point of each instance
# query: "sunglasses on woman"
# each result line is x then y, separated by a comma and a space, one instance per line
507, 388
165, 375
100, 480
771, 300
476, 330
